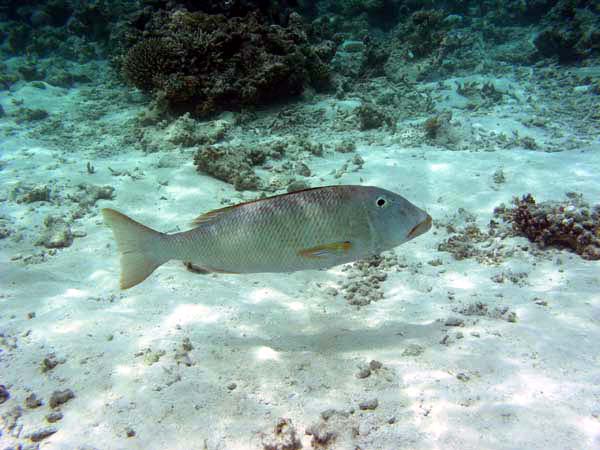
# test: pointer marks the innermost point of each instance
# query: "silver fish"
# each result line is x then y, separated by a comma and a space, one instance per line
310, 229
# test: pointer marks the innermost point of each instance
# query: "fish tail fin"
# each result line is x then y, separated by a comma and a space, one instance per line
140, 247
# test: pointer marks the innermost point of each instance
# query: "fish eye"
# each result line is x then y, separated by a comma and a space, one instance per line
382, 202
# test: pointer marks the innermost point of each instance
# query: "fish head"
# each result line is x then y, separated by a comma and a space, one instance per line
394, 220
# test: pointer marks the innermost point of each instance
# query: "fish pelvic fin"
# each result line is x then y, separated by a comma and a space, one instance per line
139, 246
326, 250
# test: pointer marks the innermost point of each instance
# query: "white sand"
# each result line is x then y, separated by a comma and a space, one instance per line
292, 350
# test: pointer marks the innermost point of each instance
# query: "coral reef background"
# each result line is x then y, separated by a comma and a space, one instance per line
484, 113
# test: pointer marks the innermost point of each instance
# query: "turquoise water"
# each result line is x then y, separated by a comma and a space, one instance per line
481, 333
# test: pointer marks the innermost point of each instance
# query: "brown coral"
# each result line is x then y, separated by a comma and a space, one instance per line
571, 224
201, 63
145, 61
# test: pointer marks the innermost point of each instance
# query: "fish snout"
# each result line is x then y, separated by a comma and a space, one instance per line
422, 227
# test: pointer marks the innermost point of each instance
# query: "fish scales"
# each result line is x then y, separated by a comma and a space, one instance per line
267, 236
311, 229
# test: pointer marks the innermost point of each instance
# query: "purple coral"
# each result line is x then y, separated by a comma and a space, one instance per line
571, 224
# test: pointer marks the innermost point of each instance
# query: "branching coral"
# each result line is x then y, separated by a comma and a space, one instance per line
202, 63
426, 32
147, 60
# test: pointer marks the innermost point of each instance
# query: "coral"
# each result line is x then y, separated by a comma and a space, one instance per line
30, 115
353, 7
202, 63
570, 33
552, 42
483, 95
434, 125
146, 60
57, 233
276, 11
284, 437
232, 165
439, 130
371, 117
365, 279
426, 31
571, 223
463, 244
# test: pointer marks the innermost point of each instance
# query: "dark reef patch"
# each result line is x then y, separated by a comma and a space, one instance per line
199, 63
571, 223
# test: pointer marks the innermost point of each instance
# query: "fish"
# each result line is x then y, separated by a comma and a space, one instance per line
311, 229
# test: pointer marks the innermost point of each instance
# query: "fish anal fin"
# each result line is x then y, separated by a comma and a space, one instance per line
326, 250
195, 268
203, 270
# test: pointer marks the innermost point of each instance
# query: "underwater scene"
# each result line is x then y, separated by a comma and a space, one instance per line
295, 224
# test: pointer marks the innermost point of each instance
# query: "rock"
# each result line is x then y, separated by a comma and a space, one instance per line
36, 194
4, 394
182, 356
30, 115
4, 231
231, 164
54, 416
363, 373
57, 233
369, 404
462, 377
302, 169
231, 386
11, 417
49, 363
297, 185
284, 437
371, 117
481, 309
186, 345
88, 194
365, 278
328, 413
346, 146
375, 365
41, 434
352, 46
454, 322
413, 350
151, 357
330, 290
59, 397
322, 437
358, 161
32, 401
446, 340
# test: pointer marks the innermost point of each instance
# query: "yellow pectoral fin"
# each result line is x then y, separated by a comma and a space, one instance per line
326, 250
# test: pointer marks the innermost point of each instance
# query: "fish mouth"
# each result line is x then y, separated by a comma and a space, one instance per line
420, 228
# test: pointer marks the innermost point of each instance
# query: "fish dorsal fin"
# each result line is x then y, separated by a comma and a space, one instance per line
210, 216
216, 213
